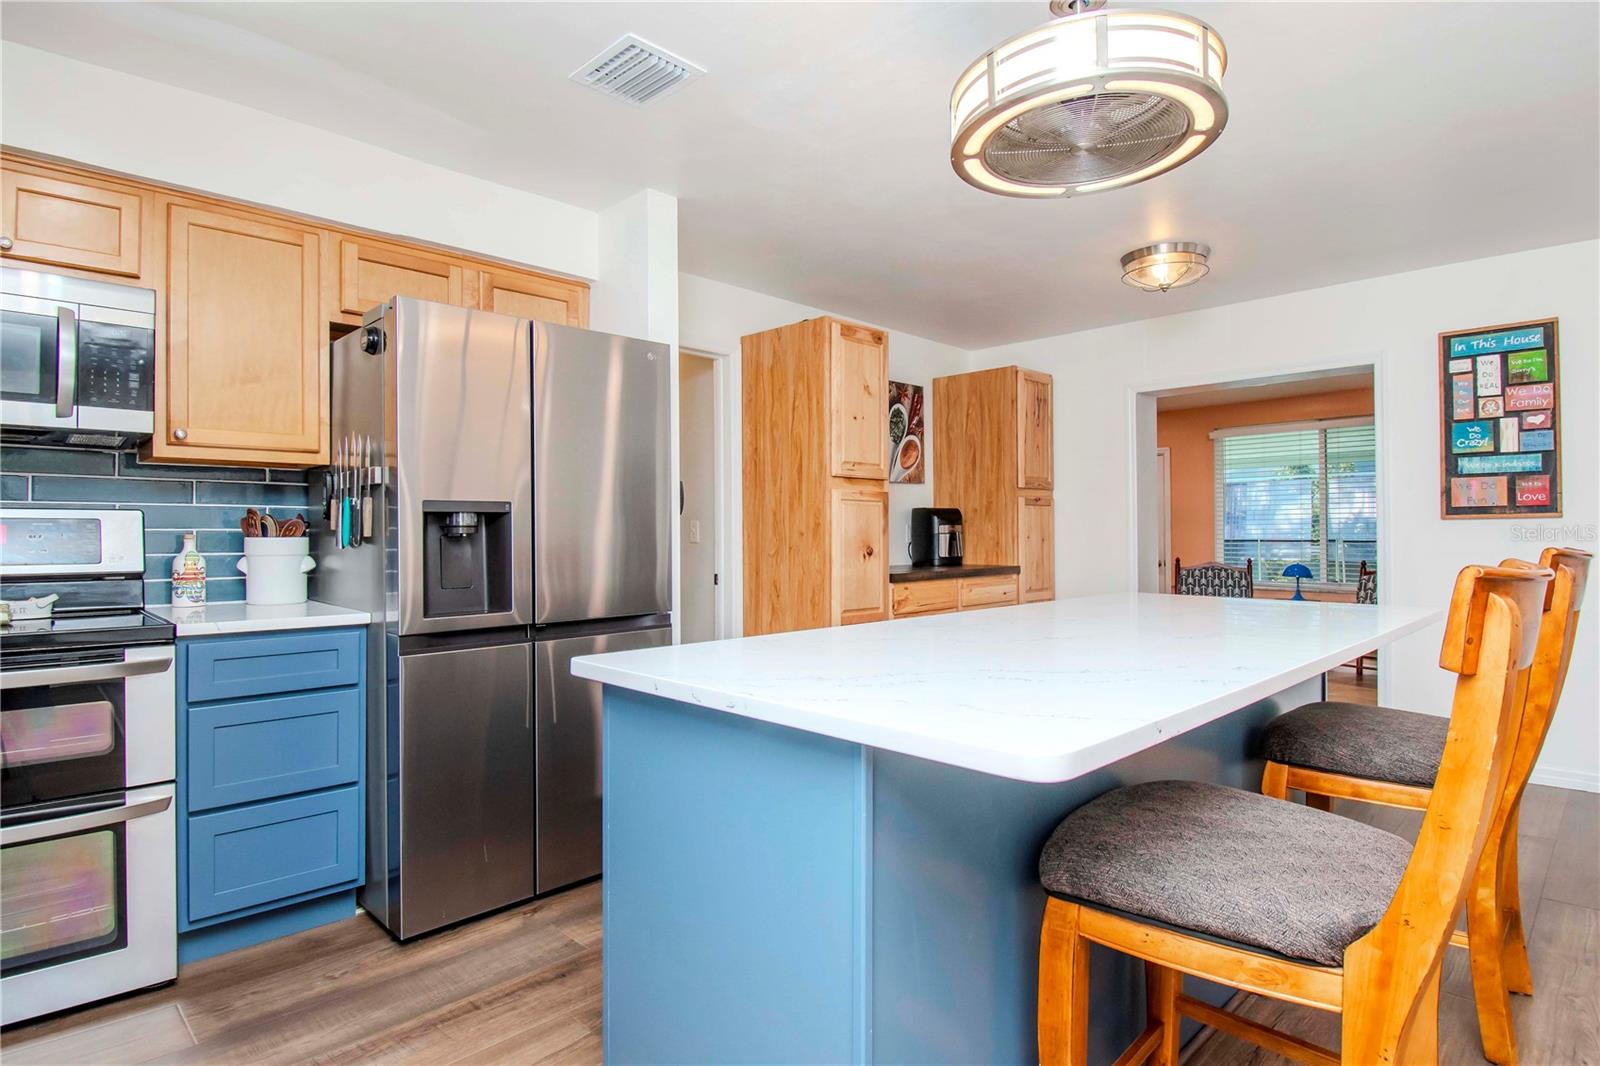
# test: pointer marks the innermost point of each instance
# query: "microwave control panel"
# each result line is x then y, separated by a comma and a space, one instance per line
116, 366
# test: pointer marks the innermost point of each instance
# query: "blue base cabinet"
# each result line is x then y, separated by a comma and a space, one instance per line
271, 785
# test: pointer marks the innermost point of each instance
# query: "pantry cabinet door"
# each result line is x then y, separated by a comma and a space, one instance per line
1035, 431
81, 224
535, 296
1036, 532
371, 273
860, 559
858, 385
247, 370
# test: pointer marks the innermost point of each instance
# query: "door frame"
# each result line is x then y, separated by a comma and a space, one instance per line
1164, 514
1141, 426
726, 462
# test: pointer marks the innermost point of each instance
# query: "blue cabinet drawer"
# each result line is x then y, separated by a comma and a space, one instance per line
269, 851
277, 746
231, 668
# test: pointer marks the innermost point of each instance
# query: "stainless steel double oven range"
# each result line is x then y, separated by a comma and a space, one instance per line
88, 870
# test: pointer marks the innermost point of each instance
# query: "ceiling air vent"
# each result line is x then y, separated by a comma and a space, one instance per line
635, 70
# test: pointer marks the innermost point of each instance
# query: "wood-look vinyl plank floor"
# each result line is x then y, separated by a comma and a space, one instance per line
523, 986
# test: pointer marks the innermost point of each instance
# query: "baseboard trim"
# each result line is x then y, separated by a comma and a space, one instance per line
1585, 782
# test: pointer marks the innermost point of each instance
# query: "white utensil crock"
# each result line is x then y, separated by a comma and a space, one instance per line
275, 569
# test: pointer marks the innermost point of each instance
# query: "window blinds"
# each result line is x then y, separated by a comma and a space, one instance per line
1301, 495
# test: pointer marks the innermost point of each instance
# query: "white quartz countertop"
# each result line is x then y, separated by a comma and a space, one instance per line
215, 619
1038, 692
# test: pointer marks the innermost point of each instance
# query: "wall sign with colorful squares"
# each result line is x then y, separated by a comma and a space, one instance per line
1501, 441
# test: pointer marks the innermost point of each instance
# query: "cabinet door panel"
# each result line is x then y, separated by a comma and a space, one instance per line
858, 383
535, 296
924, 597
860, 561
1036, 531
371, 273
70, 223
1035, 431
246, 369
987, 592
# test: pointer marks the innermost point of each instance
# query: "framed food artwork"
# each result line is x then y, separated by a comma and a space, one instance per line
908, 456
1500, 413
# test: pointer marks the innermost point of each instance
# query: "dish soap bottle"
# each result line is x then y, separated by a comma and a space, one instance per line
188, 575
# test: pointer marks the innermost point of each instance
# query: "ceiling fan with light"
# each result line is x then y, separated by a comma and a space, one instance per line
1095, 100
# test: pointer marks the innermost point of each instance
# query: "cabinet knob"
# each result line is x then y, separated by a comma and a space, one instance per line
180, 434
5, 244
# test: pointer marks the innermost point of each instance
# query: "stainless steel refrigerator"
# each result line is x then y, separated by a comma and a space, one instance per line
500, 501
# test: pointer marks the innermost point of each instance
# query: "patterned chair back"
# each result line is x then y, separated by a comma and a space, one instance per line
1214, 579
1366, 585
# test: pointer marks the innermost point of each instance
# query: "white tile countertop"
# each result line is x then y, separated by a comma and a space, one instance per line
1038, 692
215, 619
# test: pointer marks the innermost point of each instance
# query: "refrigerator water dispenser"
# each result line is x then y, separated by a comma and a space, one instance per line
467, 563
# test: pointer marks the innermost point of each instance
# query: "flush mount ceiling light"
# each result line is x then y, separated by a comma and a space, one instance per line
1165, 265
1092, 101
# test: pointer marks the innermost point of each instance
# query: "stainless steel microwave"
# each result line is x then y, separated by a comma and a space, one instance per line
77, 360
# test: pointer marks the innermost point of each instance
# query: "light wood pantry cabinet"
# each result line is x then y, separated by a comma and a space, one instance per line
815, 542
247, 299
61, 221
993, 433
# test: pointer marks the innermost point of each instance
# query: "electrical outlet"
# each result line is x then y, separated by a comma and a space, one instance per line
694, 531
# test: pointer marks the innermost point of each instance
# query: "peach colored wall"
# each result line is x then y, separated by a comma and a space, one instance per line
1187, 433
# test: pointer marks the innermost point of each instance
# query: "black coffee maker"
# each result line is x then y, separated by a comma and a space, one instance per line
935, 536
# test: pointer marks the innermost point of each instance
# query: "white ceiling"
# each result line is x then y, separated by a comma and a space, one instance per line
812, 161
1270, 389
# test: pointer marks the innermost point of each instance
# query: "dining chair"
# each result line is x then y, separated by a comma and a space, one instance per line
1367, 594
1214, 579
1286, 901
1389, 756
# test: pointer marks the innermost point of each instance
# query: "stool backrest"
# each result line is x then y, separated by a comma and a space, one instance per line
1490, 646
1558, 629
1214, 579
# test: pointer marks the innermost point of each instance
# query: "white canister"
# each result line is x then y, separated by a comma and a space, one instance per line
275, 569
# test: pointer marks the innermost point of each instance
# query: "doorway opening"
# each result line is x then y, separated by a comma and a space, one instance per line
700, 497
1276, 479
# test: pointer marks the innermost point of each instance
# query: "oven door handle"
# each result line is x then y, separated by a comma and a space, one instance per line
78, 823
70, 675
66, 361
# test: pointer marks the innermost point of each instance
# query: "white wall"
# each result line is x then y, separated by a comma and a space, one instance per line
73, 110
697, 463
712, 317
1392, 322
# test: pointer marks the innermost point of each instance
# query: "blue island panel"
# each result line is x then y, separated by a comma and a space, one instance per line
773, 896
735, 884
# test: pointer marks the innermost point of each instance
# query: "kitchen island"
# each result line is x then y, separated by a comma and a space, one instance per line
821, 846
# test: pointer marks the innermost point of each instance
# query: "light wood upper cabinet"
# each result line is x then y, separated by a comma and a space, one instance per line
247, 363
535, 296
1036, 535
1035, 431
860, 559
82, 224
370, 273
858, 384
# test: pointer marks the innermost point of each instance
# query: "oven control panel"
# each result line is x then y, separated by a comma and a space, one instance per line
37, 541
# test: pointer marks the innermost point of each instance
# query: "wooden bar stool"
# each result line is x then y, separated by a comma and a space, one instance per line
1389, 756
1287, 901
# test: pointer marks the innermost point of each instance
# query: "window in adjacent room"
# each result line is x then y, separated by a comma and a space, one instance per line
1301, 493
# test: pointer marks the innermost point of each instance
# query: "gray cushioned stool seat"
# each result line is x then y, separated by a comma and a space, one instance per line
1382, 743
1239, 866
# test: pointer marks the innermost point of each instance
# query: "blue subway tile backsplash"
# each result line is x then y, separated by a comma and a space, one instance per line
175, 499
